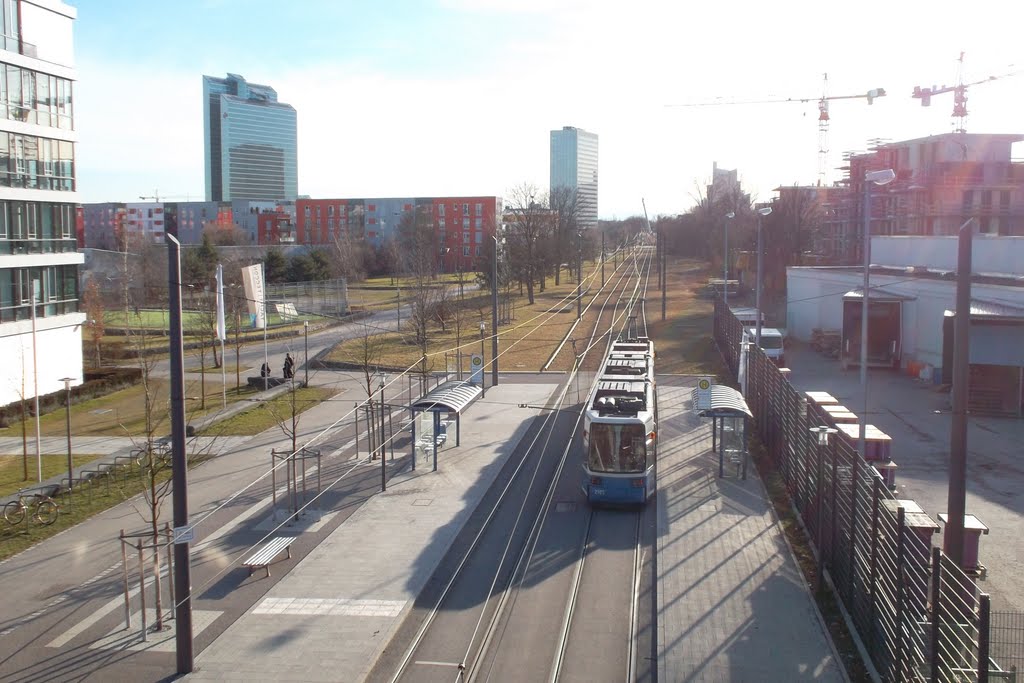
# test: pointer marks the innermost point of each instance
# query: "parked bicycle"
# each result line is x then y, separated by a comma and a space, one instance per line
40, 508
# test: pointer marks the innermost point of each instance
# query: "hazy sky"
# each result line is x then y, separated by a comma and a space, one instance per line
457, 97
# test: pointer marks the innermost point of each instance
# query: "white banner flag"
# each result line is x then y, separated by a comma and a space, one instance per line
252, 279
222, 332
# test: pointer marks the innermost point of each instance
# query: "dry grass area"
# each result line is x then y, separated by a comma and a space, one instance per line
684, 339
525, 344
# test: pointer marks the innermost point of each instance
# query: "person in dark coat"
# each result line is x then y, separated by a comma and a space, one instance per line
265, 370
289, 366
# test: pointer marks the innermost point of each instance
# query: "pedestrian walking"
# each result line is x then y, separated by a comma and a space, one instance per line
265, 370
289, 366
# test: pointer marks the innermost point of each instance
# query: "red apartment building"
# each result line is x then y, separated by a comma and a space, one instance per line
463, 225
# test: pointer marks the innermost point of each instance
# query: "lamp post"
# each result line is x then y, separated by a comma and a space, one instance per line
483, 381
67, 412
725, 256
494, 315
882, 177
305, 343
761, 213
823, 432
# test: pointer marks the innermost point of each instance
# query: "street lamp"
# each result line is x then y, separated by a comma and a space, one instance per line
579, 274
494, 312
761, 213
483, 381
823, 432
725, 256
883, 177
67, 411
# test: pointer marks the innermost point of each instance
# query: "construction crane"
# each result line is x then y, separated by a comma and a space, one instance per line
823, 114
156, 197
959, 93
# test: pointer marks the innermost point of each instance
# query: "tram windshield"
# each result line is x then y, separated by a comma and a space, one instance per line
618, 448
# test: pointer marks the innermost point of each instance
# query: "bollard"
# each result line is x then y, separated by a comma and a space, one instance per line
142, 590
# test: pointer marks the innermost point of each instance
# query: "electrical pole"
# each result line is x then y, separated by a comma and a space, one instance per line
664, 271
179, 466
957, 498
579, 275
494, 317
602, 259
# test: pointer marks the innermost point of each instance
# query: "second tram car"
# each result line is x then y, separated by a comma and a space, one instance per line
620, 428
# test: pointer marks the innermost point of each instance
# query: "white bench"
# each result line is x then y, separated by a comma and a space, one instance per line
267, 552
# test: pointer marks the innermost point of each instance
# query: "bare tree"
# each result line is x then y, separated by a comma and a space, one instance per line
530, 222
565, 203
419, 257
92, 302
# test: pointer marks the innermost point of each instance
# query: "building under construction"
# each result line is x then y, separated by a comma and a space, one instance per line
941, 181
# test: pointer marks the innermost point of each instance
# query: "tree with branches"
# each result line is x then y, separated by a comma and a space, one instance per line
530, 222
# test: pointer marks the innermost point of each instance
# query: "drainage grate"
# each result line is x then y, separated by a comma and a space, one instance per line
565, 506
423, 501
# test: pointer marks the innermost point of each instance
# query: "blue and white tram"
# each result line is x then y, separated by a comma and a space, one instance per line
620, 430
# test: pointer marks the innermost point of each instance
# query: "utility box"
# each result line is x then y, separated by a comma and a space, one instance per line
974, 529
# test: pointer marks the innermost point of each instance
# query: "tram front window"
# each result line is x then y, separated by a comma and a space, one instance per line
618, 448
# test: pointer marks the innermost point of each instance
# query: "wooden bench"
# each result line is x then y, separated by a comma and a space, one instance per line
267, 552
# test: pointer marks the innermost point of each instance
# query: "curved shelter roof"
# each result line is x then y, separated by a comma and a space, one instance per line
725, 402
452, 396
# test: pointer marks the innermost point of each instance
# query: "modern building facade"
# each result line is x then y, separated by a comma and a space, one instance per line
40, 323
463, 225
250, 141
574, 166
941, 181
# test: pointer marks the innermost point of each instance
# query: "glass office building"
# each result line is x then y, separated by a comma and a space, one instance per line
250, 141
574, 165
40, 322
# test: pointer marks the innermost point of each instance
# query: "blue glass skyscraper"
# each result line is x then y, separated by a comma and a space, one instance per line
574, 165
250, 141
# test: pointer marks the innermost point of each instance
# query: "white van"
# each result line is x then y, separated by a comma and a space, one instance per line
771, 343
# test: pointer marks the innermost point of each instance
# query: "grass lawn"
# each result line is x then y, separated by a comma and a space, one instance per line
684, 341
266, 414
12, 468
122, 413
88, 500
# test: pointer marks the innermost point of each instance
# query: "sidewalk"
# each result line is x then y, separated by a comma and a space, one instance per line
732, 603
335, 611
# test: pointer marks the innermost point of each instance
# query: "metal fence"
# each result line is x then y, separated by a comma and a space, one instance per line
1007, 638
919, 616
320, 297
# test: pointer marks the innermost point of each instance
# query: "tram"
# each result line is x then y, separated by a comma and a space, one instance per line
620, 427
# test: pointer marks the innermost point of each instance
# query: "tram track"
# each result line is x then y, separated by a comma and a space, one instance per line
508, 546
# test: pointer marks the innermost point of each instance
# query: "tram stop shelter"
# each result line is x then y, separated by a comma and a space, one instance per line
729, 414
429, 429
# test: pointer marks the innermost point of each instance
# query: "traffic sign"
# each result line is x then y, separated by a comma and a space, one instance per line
703, 399
184, 534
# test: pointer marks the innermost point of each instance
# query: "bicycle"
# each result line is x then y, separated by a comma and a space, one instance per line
42, 509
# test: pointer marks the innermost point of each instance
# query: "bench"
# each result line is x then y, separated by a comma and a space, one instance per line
267, 552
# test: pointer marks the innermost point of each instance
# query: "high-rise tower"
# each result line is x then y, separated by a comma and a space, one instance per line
574, 165
249, 141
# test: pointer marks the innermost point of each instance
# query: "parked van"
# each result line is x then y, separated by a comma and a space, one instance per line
771, 343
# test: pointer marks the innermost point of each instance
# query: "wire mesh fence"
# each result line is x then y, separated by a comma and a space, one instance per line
319, 297
918, 614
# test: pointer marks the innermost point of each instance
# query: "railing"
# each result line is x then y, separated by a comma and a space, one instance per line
919, 616
56, 245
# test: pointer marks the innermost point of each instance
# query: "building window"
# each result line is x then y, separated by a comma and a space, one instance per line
479, 209
371, 207
307, 211
440, 209
465, 237
465, 209
465, 251
479, 237
440, 223
330, 209
478, 223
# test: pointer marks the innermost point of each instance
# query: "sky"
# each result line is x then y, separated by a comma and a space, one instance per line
458, 97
